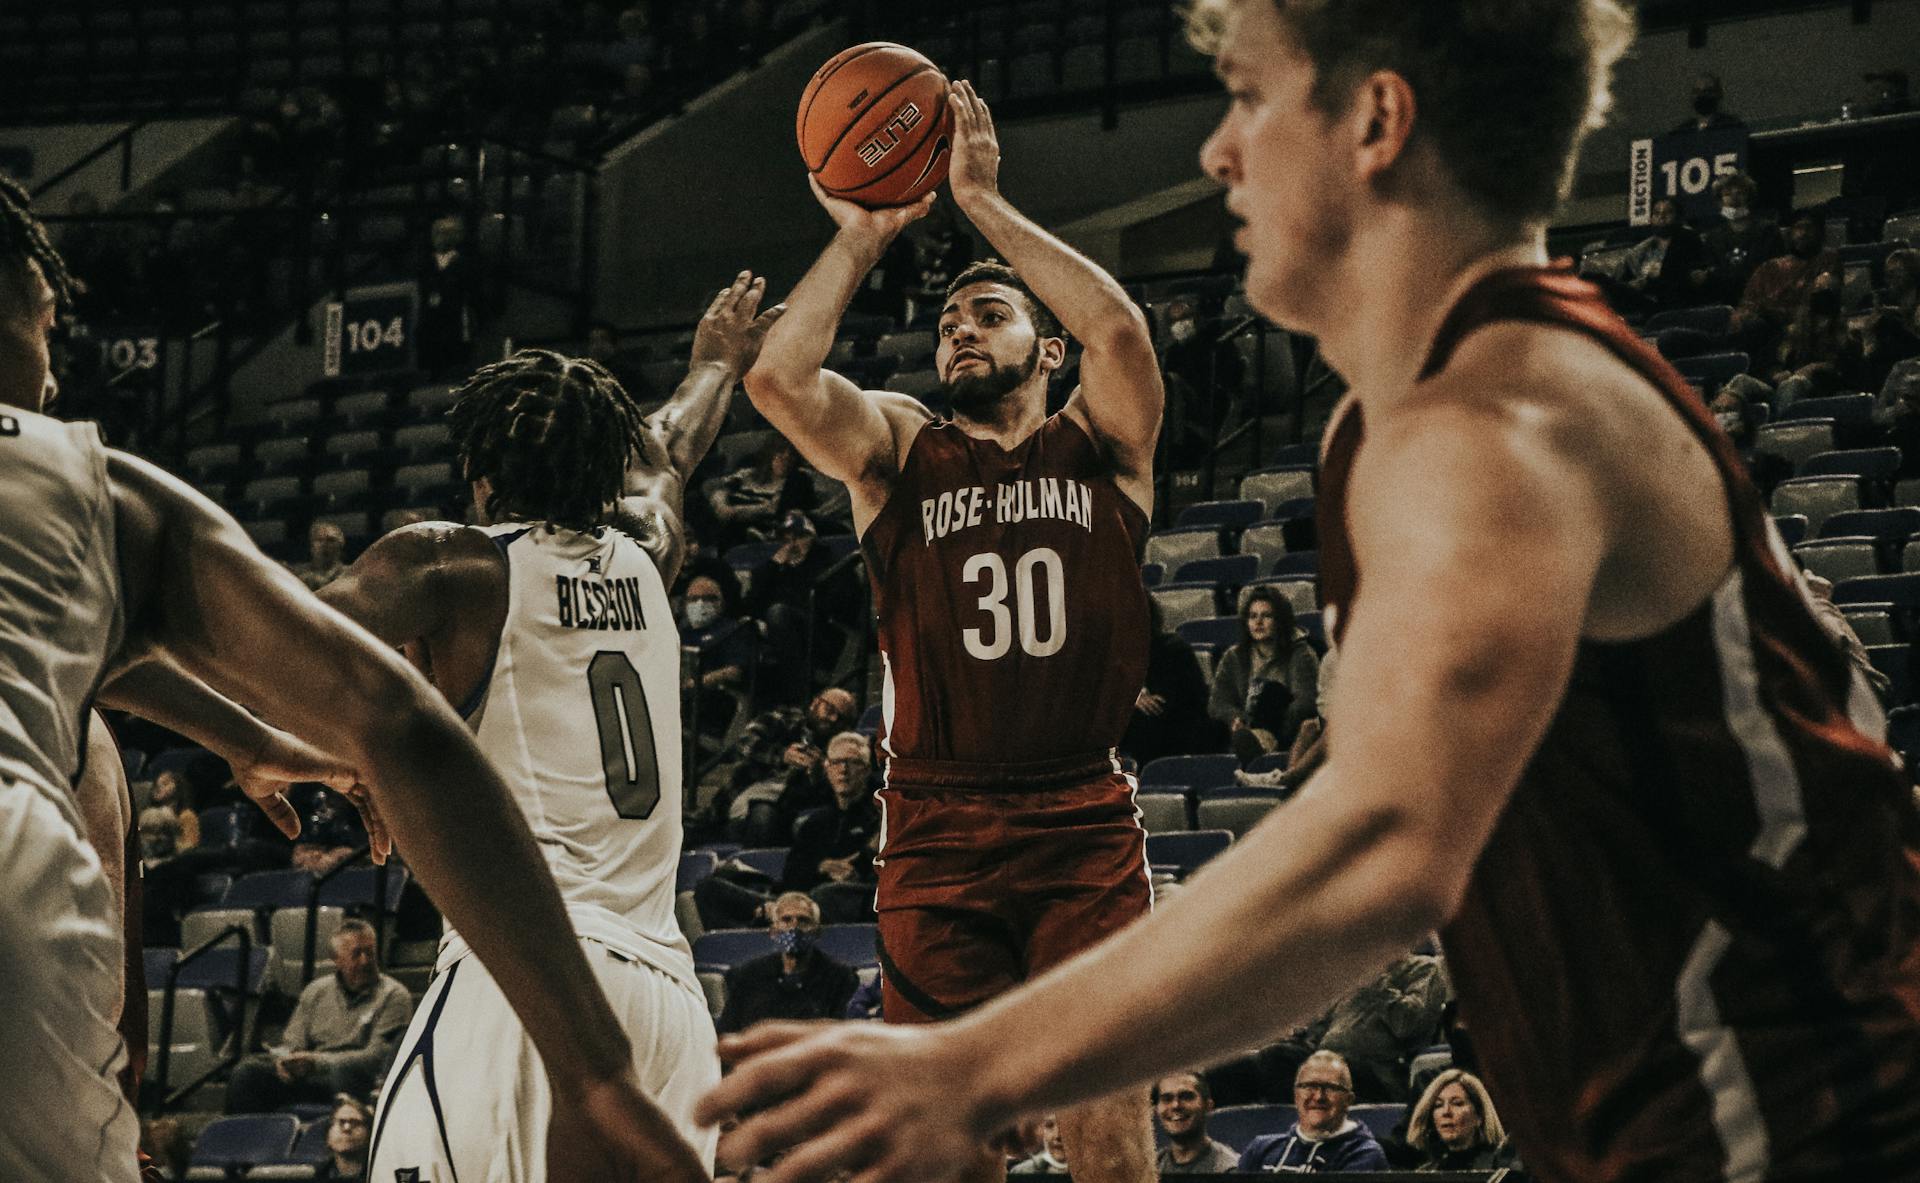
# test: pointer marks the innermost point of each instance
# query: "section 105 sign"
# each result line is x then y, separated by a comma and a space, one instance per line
371, 330
1684, 166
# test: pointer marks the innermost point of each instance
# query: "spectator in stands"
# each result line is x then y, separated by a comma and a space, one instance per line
1899, 291
784, 588
343, 1033
1325, 1139
1741, 240
777, 744
1884, 340
1456, 1126
752, 501
348, 1132
174, 793
1779, 288
1170, 712
1709, 112
1052, 1158
1182, 1102
326, 556
1377, 1030
1266, 684
704, 561
833, 846
1670, 268
160, 837
331, 831
726, 645
446, 299
797, 982
1816, 336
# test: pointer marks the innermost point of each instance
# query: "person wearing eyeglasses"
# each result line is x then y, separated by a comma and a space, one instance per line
1324, 1138
348, 1130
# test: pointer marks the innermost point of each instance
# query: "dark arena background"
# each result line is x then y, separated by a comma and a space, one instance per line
301, 223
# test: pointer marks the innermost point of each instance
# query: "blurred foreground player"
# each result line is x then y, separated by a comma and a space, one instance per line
106, 560
1585, 722
550, 626
1004, 547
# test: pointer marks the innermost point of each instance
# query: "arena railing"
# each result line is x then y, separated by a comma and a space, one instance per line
236, 1036
379, 919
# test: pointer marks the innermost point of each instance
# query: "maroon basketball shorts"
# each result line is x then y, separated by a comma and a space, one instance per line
992, 874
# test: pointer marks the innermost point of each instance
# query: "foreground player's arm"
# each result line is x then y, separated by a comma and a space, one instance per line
842, 432
197, 587
1117, 359
679, 435
1450, 673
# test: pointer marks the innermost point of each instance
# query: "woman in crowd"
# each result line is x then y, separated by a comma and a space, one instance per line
172, 792
1265, 685
1456, 1126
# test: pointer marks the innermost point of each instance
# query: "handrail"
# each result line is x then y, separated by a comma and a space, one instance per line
122, 139
164, 1064
313, 905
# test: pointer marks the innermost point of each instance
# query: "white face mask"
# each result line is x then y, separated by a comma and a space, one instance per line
701, 613
1729, 421
1734, 213
1184, 331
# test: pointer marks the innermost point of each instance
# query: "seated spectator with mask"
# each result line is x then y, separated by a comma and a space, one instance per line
1182, 1103
1741, 239
1325, 1139
727, 652
342, 1035
1709, 113
1455, 1125
796, 982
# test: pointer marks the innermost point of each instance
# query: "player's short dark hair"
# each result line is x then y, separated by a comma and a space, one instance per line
23, 240
1199, 1083
554, 435
1507, 89
994, 271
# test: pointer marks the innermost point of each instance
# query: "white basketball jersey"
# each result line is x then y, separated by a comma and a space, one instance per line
60, 612
581, 714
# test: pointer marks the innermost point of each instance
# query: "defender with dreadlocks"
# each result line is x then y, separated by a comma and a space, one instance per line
549, 626
118, 580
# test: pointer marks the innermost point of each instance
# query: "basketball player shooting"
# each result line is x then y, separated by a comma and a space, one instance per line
550, 626
1585, 723
148, 569
1004, 549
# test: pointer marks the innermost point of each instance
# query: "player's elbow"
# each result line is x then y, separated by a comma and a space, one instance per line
1121, 332
1418, 876
779, 380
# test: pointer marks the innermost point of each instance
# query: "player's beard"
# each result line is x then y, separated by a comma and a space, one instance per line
975, 394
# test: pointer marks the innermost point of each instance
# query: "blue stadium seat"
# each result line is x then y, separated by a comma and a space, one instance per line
871, 718
1233, 515
1315, 626
1878, 464
307, 1111
1302, 562
1297, 507
216, 969
1184, 852
1194, 771
1271, 762
851, 944
1381, 1119
269, 889
1291, 454
1712, 319
310, 1145
1902, 591
1227, 570
1881, 525
235, 1143
1891, 660
1237, 1125
157, 962
695, 865
1220, 631
1711, 371
1151, 574
770, 860
356, 887
1793, 526
1849, 412
728, 947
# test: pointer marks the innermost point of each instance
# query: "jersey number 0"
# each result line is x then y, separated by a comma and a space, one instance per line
626, 735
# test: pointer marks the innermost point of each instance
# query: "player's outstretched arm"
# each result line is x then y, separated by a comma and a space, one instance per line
841, 431
196, 587
1117, 360
1450, 672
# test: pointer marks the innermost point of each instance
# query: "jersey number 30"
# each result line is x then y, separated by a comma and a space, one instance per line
626, 735
996, 640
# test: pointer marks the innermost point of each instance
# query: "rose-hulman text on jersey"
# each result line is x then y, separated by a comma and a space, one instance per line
1005, 504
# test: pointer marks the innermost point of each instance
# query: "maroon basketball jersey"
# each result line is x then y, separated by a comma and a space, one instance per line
1691, 949
1013, 623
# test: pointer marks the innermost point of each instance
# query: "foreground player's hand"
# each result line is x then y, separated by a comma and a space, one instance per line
281, 761
877, 224
890, 1104
733, 328
608, 1130
975, 170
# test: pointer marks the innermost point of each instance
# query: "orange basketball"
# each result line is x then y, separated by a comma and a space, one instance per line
874, 126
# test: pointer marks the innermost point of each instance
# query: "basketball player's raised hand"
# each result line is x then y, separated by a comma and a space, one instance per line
889, 1104
608, 1132
881, 224
975, 171
733, 328
280, 762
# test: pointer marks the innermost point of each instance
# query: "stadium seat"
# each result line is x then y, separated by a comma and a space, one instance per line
1874, 464
1218, 632
236, 1143
1193, 771
1236, 814
1272, 486
1231, 515
1170, 548
695, 865
1225, 570
1265, 541
769, 860
1163, 813
1891, 660
714, 985
266, 496
282, 455
1711, 371
1902, 591
1834, 559
342, 489
1852, 415
211, 461
225, 825
1872, 623
423, 482
1797, 441
202, 924
361, 410
350, 447
728, 947
1186, 851
856, 945
913, 347
1712, 319
196, 1036
1881, 525
1302, 594
1903, 731
1152, 574
1305, 563
293, 414
424, 441
269, 889
1817, 497
1181, 603
1237, 1125
220, 969
1792, 527
1381, 1119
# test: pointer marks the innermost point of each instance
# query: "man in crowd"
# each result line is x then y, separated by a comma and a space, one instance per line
776, 744
1779, 288
726, 648
341, 1037
1708, 112
1325, 1139
1670, 268
326, 556
1183, 1102
796, 982
833, 847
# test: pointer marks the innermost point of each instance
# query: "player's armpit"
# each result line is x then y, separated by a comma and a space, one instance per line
842, 431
